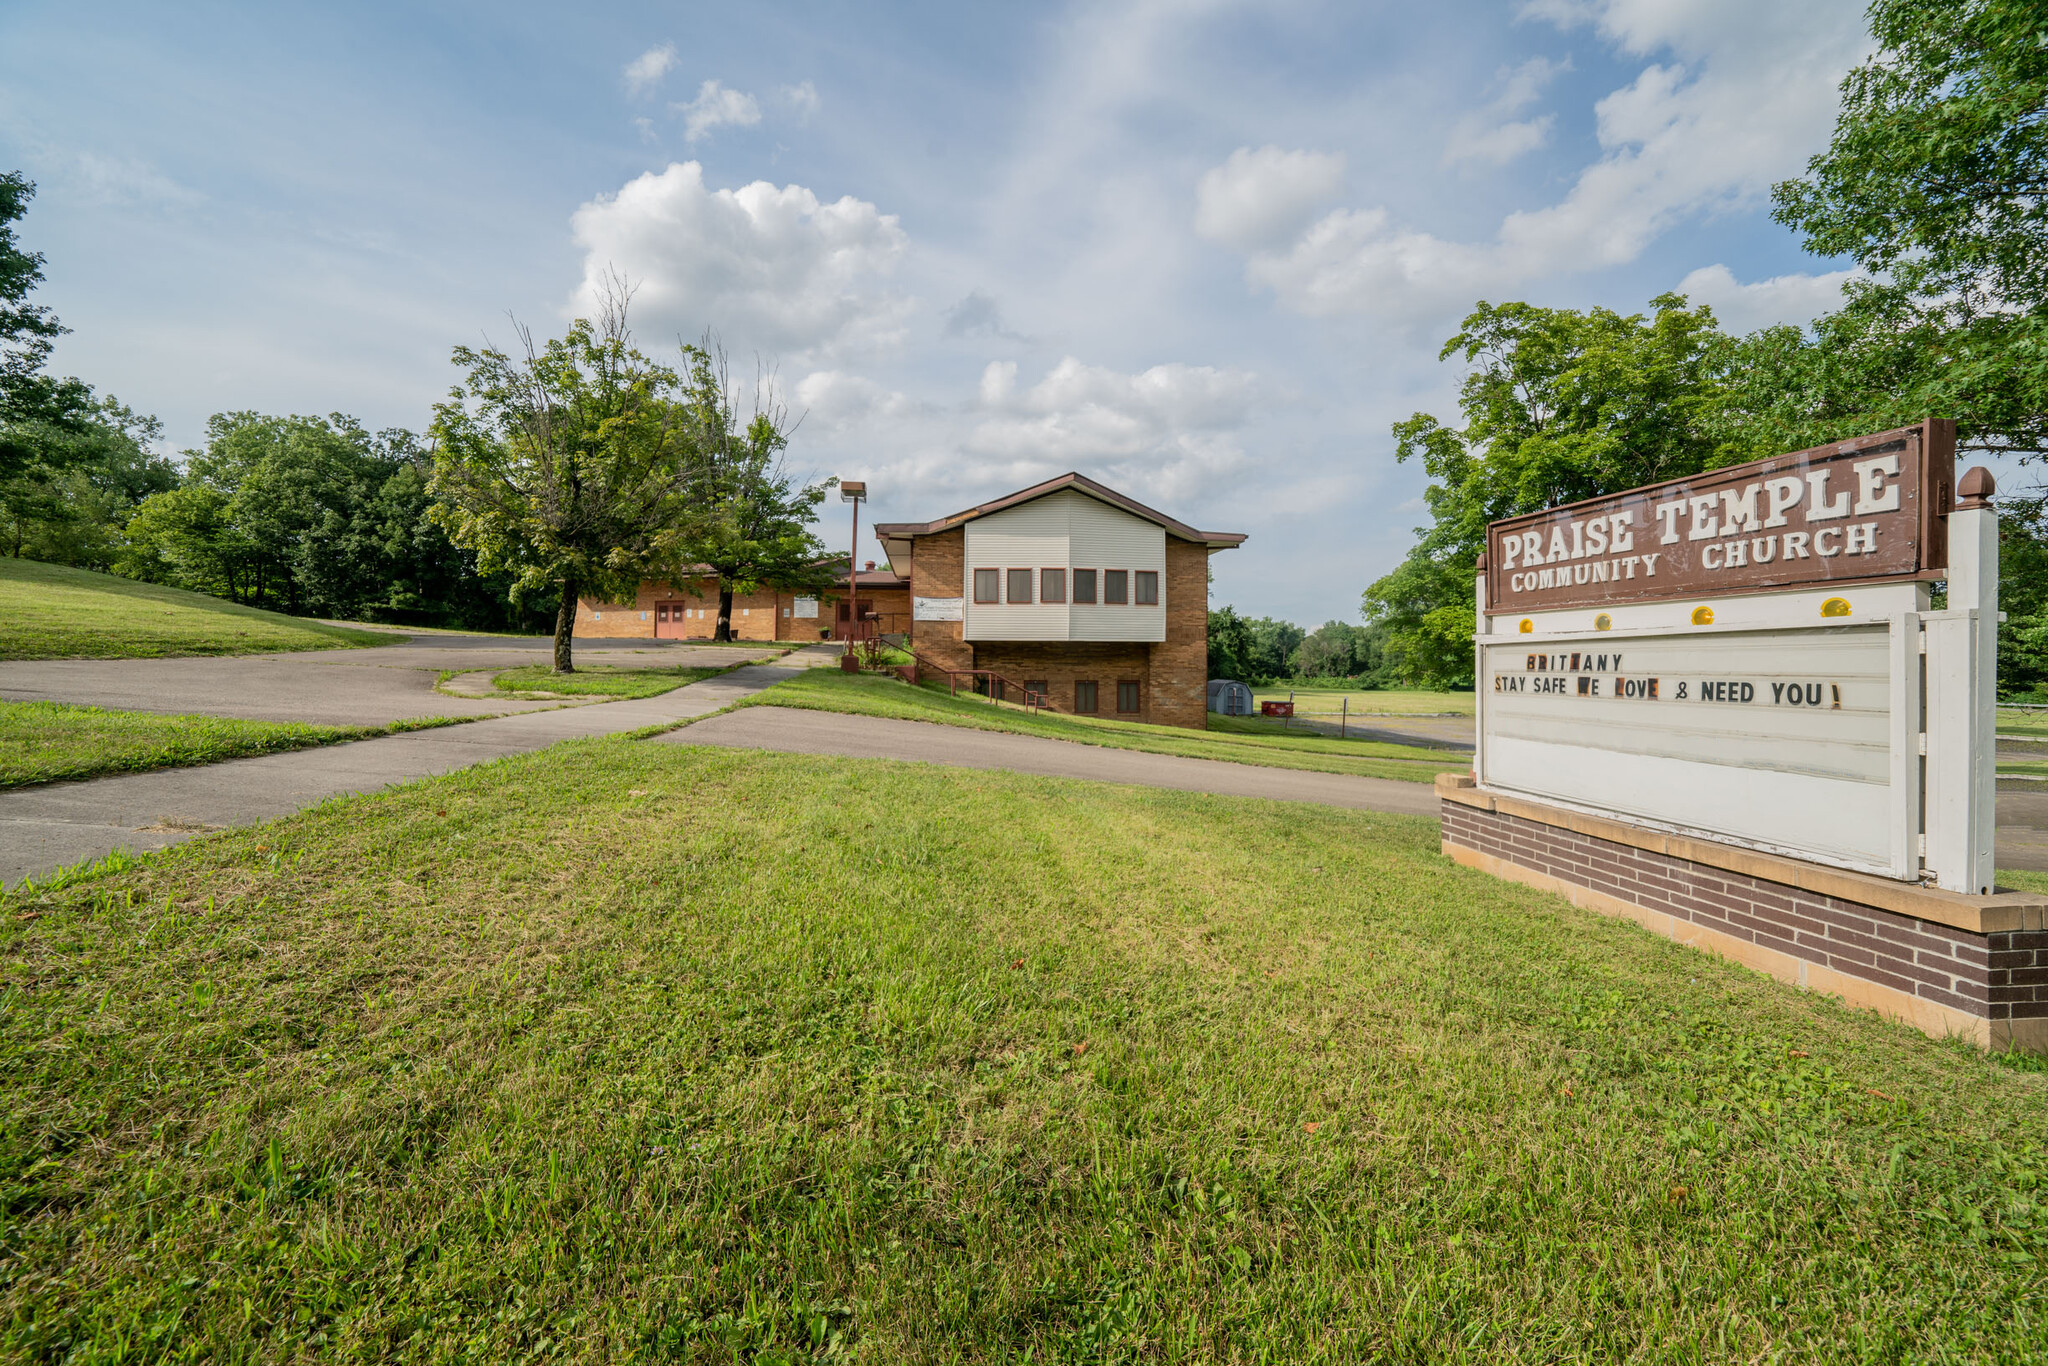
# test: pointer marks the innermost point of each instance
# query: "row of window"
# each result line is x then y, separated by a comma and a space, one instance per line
1119, 586
1088, 695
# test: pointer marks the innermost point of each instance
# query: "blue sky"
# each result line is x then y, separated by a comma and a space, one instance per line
1206, 252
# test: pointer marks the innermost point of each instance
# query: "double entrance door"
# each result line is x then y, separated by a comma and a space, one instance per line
668, 621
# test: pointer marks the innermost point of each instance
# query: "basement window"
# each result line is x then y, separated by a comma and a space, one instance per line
1116, 586
987, 582
1084, 697
1127, 695
1052, 585
1039, 689
1020, 585
1148, 588
1084, 585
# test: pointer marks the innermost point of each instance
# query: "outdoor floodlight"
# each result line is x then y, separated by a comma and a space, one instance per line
852, 490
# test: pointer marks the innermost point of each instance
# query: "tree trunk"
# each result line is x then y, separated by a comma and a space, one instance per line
724, 631
565, 629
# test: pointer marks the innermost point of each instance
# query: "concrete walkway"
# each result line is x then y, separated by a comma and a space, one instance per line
47, 827
874, 737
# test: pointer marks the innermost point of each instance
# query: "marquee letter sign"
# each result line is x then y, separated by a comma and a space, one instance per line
1750, 655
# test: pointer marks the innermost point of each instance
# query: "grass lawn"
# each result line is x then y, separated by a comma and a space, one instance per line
662, 1053
43, 742
879, 695
1389, 701
50, 612
600, 680
2014, 722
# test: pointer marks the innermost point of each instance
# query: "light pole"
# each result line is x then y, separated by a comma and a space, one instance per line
852, 491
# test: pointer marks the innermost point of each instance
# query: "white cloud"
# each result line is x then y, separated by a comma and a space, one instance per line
801, 98
1752, 95
717, 107
1255, 198
644, 72
1490, 133
124, 182
766, 268
1797, 299
1169, 432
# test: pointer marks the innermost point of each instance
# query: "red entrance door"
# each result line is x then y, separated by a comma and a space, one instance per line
668, 622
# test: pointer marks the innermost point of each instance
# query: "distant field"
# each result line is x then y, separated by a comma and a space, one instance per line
634, 1052
1393, 701
879, 695
48, 611
2014, 722
42, 742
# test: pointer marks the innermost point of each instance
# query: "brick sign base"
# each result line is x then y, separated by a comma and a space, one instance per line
1974, 967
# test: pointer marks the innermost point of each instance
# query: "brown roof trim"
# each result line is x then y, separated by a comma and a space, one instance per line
910, 530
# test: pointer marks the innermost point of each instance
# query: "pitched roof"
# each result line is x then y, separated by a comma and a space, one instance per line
1080, 483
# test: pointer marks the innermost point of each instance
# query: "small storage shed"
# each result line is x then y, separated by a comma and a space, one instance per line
1229, 698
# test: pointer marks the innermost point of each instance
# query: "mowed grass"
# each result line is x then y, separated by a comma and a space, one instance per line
42, 742
880, 695
48, 611
599, 680
642, 1051
2012, 721
1387, 701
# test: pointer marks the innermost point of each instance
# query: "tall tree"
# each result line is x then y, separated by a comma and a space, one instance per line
1558, 405
280, 512
1230, 644
70, 500
752, 522
1936, 183
567, 465
30, 401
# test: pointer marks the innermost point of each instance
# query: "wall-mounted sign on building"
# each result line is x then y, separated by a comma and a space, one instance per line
936, 609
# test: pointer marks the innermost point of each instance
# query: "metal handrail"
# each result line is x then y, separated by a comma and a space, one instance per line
1033, 700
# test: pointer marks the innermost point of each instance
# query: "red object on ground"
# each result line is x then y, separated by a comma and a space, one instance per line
1276, 709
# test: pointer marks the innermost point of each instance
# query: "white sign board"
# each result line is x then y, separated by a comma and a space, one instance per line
1781, 739
937, 609
805, 607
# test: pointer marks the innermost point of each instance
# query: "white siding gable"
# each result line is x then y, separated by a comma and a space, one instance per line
1065, 530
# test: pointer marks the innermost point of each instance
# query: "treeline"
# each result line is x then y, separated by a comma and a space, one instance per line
306, 515
1268, 650
1932, 185
573, 465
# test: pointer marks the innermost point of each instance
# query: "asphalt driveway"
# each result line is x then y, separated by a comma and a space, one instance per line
367, 687
794, 731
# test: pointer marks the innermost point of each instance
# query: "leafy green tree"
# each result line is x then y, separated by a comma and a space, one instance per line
1558, 405
1936, 182
1338, 649
280, 512
750, 522
31, 402
567, 466
1230, 645
2023, 595
68, 503
1273, 643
